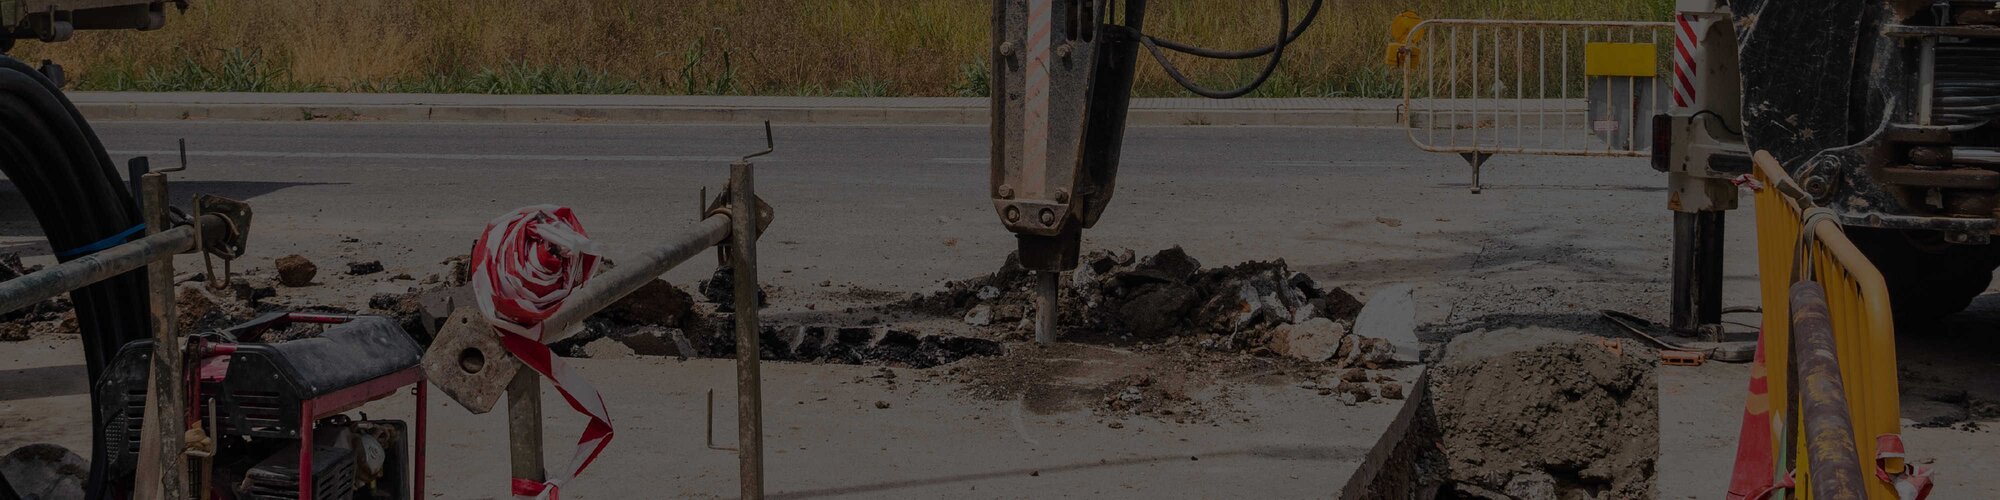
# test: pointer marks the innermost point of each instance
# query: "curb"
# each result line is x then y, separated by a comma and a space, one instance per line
1141, 116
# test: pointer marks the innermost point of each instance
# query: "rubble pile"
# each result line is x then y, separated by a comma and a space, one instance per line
52, 316
1573, 419
660, 319
1116, 298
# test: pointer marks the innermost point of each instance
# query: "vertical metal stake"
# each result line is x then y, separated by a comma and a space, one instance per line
166, 477
749, 399
524, 426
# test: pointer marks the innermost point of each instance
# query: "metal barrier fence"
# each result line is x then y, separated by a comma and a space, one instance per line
1799, 243
1582, 88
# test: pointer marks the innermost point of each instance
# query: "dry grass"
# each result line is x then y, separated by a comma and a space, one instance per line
766, 47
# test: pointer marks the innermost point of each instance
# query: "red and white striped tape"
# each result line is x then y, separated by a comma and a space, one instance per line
1685, 42
525, 265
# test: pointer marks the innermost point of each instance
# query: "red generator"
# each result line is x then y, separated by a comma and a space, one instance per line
277, 409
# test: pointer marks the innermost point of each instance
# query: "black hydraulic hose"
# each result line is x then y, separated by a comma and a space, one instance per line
57, 164
1311, 13
1286, 34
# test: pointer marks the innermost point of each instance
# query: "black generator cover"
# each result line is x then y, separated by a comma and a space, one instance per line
260, 395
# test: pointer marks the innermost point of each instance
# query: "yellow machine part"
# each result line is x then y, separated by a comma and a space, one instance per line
1399, 31
1620, 59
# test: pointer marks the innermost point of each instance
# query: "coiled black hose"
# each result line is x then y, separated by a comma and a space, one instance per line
58, 165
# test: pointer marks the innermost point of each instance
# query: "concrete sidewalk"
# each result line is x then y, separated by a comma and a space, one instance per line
693, 109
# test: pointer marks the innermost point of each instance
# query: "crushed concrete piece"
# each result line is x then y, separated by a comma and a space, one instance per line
989, 292
720, 289
63, 324
10, 266
458, 270
1313, 341
364, 268
882, 405
13, 332
1349, 353
609, 350
1008, 313
1254, 294
654, 303
650, 340
191, 304
1172, 265
1359, 391
1340, 305
1156, 311
248, 293
1535, 484
1392, 390
1115, 424
980, 315
1356, 375
296, 271
1377, 354
1391, 315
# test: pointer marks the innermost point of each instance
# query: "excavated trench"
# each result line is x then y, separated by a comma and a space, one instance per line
1505, 416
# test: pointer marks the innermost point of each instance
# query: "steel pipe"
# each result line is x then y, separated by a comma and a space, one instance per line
1832, 463
68, 276
749, 381
633, 272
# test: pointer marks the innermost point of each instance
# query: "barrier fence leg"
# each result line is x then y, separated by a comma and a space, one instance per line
1477, 160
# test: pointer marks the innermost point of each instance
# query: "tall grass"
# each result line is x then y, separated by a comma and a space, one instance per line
753, 47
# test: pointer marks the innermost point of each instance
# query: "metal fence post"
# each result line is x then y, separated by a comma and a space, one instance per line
749, 391
166, 476
524, 426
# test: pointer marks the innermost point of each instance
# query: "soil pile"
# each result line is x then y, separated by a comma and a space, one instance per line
1576, 419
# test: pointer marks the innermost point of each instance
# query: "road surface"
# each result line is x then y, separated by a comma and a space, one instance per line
1552, 241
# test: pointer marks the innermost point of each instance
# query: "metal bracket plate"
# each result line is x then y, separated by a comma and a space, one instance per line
468, 363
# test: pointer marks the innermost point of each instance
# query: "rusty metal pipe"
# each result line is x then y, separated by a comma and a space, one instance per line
68, 276
633, 272
162, 468
1833, 464
749, 382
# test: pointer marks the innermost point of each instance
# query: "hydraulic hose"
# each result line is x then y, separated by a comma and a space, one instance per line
57, 164
1276, 50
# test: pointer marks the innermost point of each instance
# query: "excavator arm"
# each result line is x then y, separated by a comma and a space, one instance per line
57, 20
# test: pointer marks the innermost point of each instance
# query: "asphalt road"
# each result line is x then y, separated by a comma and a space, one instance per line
1552, 241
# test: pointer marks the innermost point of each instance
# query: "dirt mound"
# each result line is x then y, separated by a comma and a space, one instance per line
1573, 419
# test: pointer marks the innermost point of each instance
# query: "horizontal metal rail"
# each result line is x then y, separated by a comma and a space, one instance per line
65, 277
634, 272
